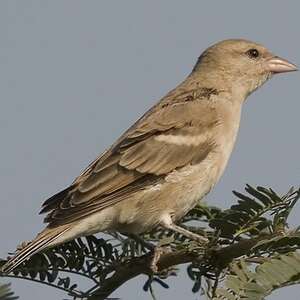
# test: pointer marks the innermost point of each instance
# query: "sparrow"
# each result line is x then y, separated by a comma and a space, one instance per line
168, 160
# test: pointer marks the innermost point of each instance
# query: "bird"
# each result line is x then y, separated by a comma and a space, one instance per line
168, 160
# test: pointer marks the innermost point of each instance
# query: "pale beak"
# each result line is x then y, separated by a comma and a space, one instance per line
277, 64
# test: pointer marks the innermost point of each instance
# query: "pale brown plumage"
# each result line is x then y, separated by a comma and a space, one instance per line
169, 159
138, 159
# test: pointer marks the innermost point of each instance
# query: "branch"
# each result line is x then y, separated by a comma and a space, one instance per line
141, 265
138, 266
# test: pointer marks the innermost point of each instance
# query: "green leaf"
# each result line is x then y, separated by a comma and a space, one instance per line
274, 273
251, 214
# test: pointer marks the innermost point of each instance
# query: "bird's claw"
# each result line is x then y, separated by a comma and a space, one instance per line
156, 254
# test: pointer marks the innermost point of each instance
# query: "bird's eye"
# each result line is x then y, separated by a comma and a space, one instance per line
253, 53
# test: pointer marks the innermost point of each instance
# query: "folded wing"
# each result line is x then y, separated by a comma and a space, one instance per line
169, 136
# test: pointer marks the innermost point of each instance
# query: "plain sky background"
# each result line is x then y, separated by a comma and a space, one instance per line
75, 74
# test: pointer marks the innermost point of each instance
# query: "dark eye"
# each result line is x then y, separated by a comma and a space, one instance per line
253, 53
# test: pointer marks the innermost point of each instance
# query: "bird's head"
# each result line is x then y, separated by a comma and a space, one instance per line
240, 65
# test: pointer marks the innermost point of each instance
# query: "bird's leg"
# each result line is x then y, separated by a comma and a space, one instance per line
155, 251
168, 224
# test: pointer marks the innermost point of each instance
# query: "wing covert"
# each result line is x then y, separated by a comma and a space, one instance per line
168, 137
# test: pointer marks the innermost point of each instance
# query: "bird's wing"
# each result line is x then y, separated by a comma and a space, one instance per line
170, 136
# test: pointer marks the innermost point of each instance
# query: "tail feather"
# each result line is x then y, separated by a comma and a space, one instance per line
37, 245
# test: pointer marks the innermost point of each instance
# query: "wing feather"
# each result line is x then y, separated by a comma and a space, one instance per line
168, 137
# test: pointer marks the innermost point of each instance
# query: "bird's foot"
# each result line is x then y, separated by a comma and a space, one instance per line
155, 257
201, 240
156, 254
155, 251
191, 235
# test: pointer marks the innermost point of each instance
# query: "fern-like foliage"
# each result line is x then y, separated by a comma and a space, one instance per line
270, 274
248, 241
260, 216
253, 212
90, 257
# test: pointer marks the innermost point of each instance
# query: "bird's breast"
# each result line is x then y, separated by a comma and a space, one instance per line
226, 136
191, 183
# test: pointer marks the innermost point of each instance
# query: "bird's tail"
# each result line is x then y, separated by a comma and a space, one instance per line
43, 240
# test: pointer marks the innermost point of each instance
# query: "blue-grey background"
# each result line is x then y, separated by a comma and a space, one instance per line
75, 74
